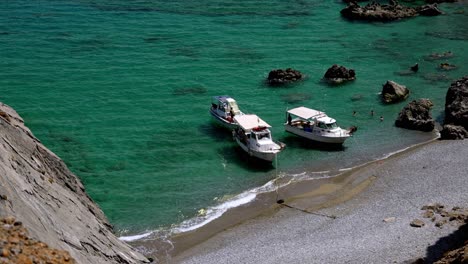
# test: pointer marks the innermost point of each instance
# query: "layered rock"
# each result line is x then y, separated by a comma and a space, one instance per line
51, 202
456, 110
417, 116
393, 92
338, 74
281, 77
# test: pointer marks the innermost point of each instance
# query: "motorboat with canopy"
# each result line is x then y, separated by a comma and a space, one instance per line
314, 125
254, 137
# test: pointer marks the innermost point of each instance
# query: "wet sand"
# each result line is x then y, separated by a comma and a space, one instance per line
340, 219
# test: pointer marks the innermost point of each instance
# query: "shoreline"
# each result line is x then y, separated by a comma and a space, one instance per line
307, 195
382, 189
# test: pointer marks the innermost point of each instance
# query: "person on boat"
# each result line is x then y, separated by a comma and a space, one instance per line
307, 127
289, 119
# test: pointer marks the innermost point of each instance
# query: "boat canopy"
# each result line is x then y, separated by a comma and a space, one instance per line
248, 122
306, 113
220, 98
326, 120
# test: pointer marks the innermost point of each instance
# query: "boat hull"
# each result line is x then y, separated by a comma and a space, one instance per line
263, 155
315, 136
222, 121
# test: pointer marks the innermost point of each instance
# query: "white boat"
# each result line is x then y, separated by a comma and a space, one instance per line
254, 137
315, 125
223, 110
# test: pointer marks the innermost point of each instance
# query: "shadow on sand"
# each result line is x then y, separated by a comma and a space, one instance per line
444, 244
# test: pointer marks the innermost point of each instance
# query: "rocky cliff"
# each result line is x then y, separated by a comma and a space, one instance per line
39, 190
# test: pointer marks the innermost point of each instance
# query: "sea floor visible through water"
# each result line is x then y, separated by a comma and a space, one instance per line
120, 90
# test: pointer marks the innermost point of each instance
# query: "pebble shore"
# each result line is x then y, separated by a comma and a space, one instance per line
374, 226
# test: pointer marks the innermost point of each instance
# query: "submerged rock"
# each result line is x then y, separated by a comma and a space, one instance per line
447, 66
439, 56
417, 116
393, 92
338, 74
281, 77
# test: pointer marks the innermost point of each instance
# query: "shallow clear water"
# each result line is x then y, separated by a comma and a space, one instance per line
121, 90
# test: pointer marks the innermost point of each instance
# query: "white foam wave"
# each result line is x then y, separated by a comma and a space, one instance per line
135, 237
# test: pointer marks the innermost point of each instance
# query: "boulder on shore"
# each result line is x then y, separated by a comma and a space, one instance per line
393, 92
338, 74
281, 77
456, 106
417, 116
453, 132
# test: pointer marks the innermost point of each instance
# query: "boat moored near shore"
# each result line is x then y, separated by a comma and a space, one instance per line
314, 125
223, 110
254, 137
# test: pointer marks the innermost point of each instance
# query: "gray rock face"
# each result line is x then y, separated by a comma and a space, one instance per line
456, 103
38, 189
417, 116
393, 92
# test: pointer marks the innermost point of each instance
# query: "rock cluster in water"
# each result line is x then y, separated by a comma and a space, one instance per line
339, 74
456, 110
393, 11
417, 116
393, 92
281, 77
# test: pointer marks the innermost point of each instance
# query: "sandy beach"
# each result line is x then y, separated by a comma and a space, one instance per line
351, 227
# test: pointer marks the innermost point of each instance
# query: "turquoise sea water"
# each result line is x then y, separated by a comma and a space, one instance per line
120, 90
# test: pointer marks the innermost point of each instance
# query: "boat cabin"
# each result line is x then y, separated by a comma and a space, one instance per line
306, 118
225, 106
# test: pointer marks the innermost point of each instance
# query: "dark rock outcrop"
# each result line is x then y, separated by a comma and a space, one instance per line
453, 132
338, 74
51, 202
393, 92
393, 11
377, 12
456, 110
456, 103
417, 116
281, 77
429, 10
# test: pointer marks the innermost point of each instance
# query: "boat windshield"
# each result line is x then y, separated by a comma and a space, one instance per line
233, 106
263, 136
327, 126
